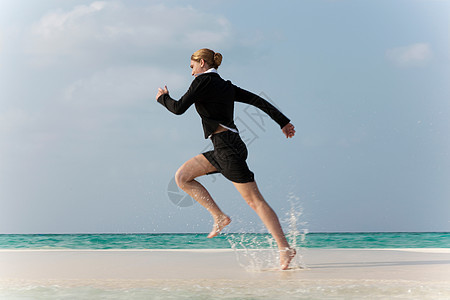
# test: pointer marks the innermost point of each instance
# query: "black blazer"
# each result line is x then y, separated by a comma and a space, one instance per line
214, 100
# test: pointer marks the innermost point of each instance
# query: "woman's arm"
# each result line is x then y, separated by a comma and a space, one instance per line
180, 106
247, 97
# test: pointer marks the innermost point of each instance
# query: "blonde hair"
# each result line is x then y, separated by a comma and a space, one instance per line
210, 57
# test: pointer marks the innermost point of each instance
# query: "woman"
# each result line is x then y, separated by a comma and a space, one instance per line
214, 101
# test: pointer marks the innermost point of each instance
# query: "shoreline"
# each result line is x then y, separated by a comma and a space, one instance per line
206, 233
421, 250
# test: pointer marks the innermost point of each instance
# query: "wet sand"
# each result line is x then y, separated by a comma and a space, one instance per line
420, 265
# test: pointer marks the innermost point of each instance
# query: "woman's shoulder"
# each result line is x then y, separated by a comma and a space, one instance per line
212, 79
207, 76
202, 78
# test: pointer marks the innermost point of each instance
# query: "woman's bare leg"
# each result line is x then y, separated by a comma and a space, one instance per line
185, 179
253, 197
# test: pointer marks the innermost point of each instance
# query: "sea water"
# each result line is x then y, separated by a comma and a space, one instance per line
301, 239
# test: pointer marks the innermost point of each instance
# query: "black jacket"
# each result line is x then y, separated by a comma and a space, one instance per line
214, 100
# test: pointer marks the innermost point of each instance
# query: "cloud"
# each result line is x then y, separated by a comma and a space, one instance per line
105, 31
54, 24
119, 86
410, 56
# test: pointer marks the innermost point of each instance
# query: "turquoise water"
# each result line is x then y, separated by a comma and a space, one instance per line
224, 241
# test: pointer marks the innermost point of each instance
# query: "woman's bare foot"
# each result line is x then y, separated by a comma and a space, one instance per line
285, 257
219, 224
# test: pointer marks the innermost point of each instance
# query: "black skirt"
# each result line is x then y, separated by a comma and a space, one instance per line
229, 156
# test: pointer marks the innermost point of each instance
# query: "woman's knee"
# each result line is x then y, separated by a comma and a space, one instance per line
182, 177
253, 199
251, 203
193, 168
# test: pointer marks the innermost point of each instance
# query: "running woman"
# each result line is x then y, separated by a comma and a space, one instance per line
214, 99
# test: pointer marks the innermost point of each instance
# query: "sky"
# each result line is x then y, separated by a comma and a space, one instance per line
85, 147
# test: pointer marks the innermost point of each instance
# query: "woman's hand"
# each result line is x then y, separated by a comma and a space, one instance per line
288, 130
162, 92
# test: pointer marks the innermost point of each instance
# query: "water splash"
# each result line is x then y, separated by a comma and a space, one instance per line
259, 252
297, 230
254, 252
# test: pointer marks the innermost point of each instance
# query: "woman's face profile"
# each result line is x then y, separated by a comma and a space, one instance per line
197, 67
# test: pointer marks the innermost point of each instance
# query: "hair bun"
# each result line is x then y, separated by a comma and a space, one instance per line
213, 60
217, 60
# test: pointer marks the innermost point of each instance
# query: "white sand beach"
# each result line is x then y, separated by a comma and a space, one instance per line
425, 272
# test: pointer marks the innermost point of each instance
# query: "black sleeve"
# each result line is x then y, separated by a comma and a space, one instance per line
255, 100
180, 106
